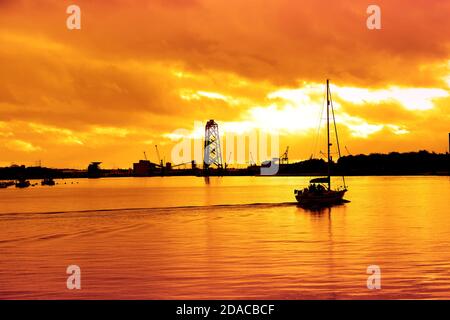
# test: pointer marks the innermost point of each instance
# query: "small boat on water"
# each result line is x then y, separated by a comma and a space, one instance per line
319, 195
6, 184
319, 192
48, 182
22, 183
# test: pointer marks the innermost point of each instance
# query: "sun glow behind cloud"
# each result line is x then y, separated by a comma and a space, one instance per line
138, 76
301, 110
409, 98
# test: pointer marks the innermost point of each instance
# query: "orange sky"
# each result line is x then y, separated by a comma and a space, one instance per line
138, 70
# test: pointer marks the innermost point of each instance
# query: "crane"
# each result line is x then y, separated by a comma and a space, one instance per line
181, 164
251, 159
284, 157
145, 156
157, 154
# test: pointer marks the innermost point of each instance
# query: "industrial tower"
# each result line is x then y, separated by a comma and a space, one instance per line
212, 151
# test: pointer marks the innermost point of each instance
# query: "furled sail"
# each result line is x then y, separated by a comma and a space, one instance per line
320, 180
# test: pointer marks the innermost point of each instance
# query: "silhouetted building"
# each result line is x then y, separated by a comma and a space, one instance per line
143, 168
94, 170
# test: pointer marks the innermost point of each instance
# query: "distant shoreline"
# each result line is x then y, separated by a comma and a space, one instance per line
40, 177
421, 163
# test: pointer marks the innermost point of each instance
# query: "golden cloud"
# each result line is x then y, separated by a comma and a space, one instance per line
139, 70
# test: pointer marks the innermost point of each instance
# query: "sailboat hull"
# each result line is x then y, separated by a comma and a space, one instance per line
319, 192
318, 199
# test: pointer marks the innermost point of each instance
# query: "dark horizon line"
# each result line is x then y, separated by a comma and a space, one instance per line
423, 152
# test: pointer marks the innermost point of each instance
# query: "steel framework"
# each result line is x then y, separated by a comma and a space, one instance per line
212, 150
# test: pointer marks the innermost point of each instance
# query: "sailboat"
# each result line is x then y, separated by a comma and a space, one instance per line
319, 192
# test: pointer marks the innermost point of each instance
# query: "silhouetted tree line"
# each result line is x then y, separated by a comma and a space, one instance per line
394, 163
422, 162
307, 167
22, 172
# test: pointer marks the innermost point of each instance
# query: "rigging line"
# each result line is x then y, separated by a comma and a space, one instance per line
316, 138
335, 130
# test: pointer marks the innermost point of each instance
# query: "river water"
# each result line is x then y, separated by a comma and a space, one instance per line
226, 238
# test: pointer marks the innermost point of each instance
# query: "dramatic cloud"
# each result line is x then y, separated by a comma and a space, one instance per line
139, 70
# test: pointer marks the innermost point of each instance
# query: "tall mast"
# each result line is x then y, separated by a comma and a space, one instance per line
328, 134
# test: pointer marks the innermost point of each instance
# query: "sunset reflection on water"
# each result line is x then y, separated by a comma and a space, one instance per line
234, 238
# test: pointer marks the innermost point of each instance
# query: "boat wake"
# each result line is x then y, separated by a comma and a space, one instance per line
154, 209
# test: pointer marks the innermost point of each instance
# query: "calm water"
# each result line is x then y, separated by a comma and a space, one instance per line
235, 237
